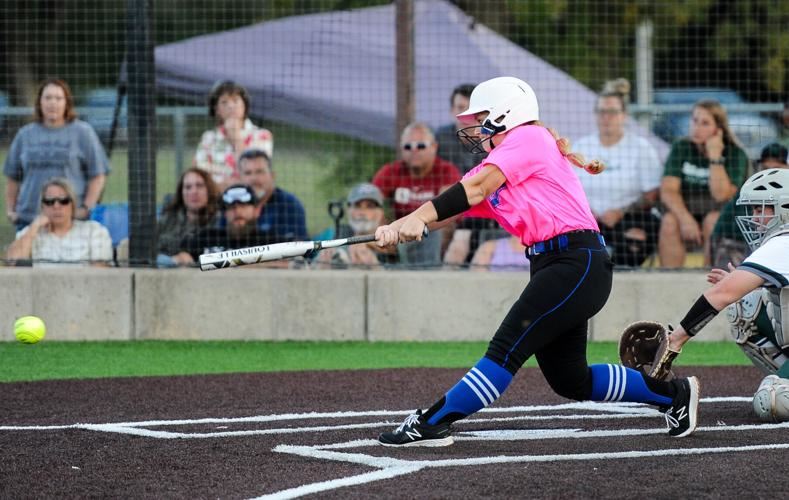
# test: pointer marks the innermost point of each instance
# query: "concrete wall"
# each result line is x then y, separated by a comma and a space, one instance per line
75, 304
122, 304
249, 304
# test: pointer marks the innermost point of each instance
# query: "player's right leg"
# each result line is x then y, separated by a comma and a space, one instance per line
563, 362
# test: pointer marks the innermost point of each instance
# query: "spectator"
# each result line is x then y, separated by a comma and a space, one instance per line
228, 105
278, 211
365, 214
702, 173
449, 146
418, 177
55, 237
238, 202
194, 206
623, 195
727, 242
56, 144
501, 254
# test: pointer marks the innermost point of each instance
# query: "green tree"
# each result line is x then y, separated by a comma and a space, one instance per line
743, 44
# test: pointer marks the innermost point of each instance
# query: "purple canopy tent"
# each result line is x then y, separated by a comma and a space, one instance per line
335, 71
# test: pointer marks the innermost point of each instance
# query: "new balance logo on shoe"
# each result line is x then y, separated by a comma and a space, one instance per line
416, 432
682, 415
413, 435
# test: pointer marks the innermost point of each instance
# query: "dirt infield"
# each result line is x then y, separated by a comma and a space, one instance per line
310, 433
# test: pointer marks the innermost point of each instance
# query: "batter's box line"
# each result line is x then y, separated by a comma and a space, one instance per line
605, 407
609, 411
543, 434
390, 468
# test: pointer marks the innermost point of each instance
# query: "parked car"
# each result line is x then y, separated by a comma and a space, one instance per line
99, 106
752, 129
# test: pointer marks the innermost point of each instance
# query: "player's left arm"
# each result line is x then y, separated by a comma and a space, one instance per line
730, 289
736, 285
461, 196
449, 204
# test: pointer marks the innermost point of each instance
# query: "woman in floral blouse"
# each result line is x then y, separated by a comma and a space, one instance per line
220, 147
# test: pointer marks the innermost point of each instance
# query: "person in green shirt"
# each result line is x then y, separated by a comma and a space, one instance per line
727, 244
702, 173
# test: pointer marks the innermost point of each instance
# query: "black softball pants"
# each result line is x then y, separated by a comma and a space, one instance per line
549, 320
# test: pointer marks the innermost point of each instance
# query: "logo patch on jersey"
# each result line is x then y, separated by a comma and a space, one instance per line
695, 174
494, 198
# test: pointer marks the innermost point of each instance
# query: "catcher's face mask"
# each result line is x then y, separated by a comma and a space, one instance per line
766, 196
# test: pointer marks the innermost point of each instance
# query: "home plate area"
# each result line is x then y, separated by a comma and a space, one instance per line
574, 430
296, 446
495, 437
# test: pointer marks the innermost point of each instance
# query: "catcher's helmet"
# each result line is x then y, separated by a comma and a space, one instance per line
508, 101
768, 188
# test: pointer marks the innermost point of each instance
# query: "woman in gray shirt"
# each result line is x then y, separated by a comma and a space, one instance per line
55, 145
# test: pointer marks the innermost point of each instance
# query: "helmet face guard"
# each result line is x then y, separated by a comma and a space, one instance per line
473, 137
769, 188
508, 102
754, 228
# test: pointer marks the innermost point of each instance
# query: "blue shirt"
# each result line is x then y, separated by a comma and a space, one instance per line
282, 215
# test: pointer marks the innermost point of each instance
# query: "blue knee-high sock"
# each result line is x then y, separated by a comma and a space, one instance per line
481, 386
618, 383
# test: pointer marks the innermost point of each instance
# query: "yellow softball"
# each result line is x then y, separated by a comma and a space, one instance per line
29, 329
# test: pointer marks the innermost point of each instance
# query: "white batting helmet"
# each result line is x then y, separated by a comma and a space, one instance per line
508, 101
768, 188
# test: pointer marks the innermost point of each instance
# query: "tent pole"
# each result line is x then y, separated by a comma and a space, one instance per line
404, 57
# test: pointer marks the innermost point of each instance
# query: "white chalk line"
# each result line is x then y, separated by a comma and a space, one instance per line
389, 467
621, 407
365, 478
629, 410
401, 467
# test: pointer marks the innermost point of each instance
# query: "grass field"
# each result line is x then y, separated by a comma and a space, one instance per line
70, 360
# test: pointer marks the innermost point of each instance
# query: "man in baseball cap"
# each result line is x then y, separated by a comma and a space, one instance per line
365, 191
774, 155
238, 203
365, 214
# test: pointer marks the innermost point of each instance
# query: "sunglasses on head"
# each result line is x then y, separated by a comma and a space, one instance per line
60, 201
236, 195
409, 146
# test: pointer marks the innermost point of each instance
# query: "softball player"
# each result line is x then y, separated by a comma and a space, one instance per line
760, 321
526, 183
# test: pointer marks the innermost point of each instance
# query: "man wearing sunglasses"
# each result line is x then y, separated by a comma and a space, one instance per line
416, 178
238, 203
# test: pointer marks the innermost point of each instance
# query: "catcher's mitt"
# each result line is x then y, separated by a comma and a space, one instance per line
643, 346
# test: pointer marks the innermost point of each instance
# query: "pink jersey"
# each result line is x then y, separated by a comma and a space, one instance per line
542, 197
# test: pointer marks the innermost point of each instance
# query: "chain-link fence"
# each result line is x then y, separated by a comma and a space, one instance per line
324, 89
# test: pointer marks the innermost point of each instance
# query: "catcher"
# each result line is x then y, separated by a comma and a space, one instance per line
757, 296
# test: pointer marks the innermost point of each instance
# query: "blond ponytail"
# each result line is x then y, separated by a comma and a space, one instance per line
593, 167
